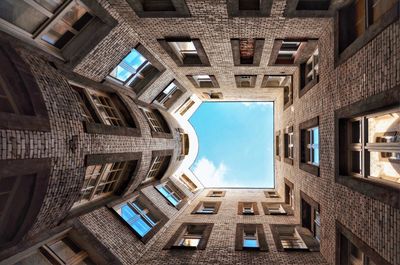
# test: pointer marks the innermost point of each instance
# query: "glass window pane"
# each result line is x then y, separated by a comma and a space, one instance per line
74, 14
250, 243
190, 242
385, 166
55, 33
384, 128
128, 66
21, 14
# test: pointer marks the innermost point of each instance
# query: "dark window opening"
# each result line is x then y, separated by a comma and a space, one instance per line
313, 5
249, 4
157, 5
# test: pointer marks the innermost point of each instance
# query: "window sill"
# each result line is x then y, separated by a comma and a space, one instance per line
314, 170
288, 161
98, 128
388, 193
374, 30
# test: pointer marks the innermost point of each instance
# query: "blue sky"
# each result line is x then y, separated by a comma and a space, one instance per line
235, 144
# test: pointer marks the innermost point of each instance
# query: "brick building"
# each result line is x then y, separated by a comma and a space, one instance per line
95, 143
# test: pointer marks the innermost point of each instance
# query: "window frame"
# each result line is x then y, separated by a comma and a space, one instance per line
181, 10
200, 51
289, 143
159, 127
382, 191
257, 51
314, 207
26, 94
150, 206
287, 209
263, 11
289, 193
370, 32
174, 191
252, 81
98, 124
305, 85
304, 165
301, 233
81, 44
292, 10
206, 232
167, 100
200, 205
258, 230
305, 49
211, 193
344, 236
155, 72
242, 206
213, 81
277, 144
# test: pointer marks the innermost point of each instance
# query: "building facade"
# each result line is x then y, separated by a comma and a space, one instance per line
96, 146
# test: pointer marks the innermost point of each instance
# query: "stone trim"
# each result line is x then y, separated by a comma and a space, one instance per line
216, 209
207, 228
312, 169
27, 180
234, 11
211, 191
179, 62
255, 208
277, 144
253, 79
17, 77
306, 49
258, 49
370, 33
263, 246
214, 82
181, 10
288, 209
382, 191
341, 230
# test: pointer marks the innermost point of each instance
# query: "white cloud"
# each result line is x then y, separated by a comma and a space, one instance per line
210, 174
251, 104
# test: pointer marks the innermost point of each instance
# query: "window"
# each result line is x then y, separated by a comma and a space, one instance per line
105, 113
289, 193
188, 183
247, 51
207, 208
247, 208
288, 52
271, 194
184, 138
309, 73
372, 146
368, 147
285, 81
291, 51
310, 215
277, 208
191, 236
360, 21
277, 145
293, 238
159, 165
249, 8
170, 94
250, 237
136, 70
21, 103
186, 106
185, 51
289, 145
157, 122
213, 95
57, 25
171, 193
23, 183
203, 81
352, 250
160, 8
245, 81
101, 180
216, 193
309, 8
309, 149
